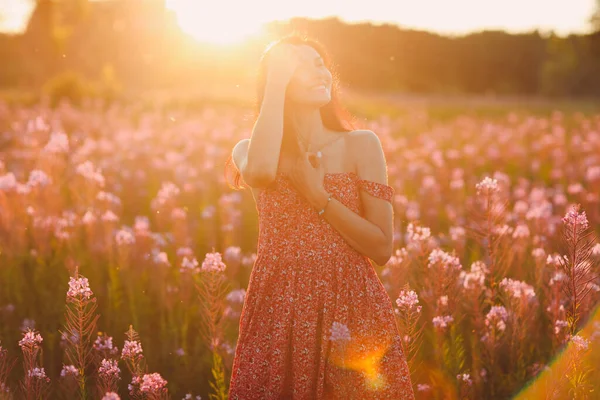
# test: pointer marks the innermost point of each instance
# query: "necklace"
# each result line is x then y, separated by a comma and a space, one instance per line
318, 150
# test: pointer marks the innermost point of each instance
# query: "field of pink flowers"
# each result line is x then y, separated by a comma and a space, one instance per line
124, 254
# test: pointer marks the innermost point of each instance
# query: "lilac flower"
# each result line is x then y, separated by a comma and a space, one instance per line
580, 342
447, 261
69, 370
185, 252
79, 288
465, 378
109, 368
539, 254
105, 343
417, 233
132, 349
441, 322
161, 258
31, 340
178, 213
189, 265
497, 318
124, 237
38, 373
236, 296
521, 231
423, 387
38, 178
487, 186
58, 143
88, 218
408, 300
232, 254
443, 301
457, 233
576, 220
559, 276
190, 397
399, 256
88, 171
109, 216
517, 289
153, 383
559, 325
8, 181
339, 332
213, 263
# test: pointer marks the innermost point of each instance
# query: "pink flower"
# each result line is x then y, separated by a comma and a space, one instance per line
518, 289
79, 288
38, 373
575, 220
423, 387
465, 378
31, 340
111, 396
487, 186
236, 296
69, 370
407, 300
213, 263
441, 322
447, 261
153, 383
109, 368
418, 233
105, 343
559, 325
132, 349
497, 318
580, 342
189, 265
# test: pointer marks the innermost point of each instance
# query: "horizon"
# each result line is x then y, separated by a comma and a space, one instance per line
219, 24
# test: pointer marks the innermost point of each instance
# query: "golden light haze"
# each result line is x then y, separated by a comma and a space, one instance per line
226, 21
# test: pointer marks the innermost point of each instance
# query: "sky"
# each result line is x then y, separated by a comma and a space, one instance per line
442, 16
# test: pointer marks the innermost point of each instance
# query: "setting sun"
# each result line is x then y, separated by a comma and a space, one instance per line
219, 23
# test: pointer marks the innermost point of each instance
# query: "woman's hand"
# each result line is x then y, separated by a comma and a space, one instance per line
282, 63
308, 180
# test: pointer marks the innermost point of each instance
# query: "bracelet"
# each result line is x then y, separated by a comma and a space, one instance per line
328, 200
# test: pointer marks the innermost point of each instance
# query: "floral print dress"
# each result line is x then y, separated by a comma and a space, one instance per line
317, 322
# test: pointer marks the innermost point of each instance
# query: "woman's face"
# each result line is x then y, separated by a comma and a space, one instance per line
312, 80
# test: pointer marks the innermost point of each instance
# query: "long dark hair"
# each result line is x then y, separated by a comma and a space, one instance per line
334, 116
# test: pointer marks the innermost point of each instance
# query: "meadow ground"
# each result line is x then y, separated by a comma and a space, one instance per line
123, 248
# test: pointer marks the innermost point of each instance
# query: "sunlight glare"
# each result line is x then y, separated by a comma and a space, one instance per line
217, 23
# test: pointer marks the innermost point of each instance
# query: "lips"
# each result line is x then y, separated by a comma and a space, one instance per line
318, 87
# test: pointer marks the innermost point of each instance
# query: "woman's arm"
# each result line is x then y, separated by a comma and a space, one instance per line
267, 134
372, 235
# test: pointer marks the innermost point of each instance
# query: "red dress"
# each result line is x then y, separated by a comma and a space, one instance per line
305, 278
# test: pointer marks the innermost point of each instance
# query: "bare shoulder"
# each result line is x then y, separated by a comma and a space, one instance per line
364, 142
240, 158
240, 152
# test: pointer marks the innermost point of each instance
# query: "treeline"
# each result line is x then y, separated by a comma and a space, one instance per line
139, 44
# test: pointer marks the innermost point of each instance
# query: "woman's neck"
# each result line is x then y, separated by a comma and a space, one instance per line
308, 123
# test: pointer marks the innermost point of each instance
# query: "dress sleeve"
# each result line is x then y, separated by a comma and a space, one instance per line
377, 189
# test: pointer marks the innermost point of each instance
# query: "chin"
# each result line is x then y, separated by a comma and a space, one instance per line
319, 101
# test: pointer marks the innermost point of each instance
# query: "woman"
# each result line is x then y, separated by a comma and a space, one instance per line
317, 322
